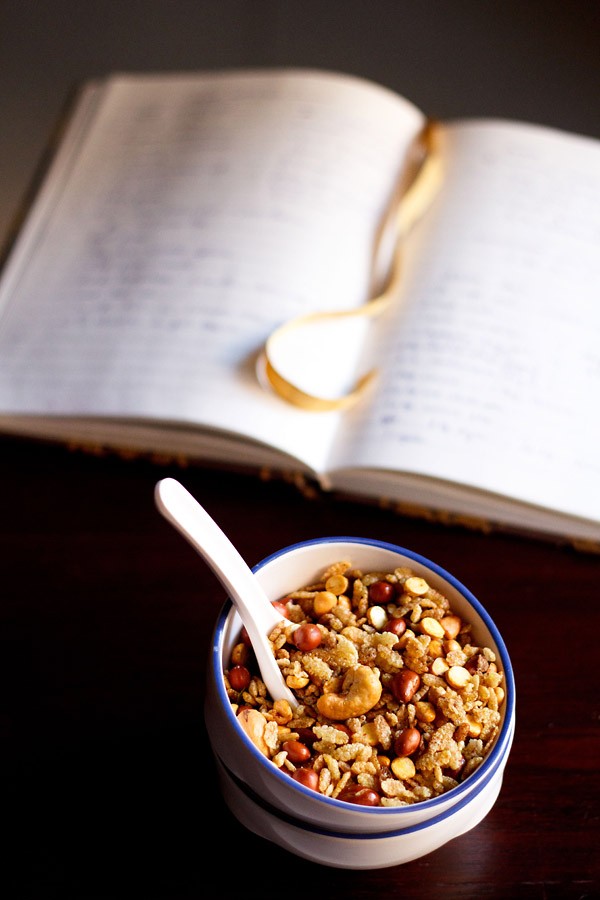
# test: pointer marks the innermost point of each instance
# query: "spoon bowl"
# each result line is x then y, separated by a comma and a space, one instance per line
256, 611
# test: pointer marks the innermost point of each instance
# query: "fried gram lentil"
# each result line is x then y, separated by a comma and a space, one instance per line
396, 704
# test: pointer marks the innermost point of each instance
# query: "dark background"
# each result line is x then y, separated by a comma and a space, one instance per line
107, 784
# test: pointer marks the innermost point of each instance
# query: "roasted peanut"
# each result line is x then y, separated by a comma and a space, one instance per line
381, 592
337, 584
396, 625
405, 684
432, 627
418, 587
307, 637
403, 767
458, 677
407, 741
377, 617
474, 728
451, 626
425, 711
240, 654
308, 777
324, 602
356, 793
297, 751
435, 648
439, 666
297, 682
281, 607
239, 678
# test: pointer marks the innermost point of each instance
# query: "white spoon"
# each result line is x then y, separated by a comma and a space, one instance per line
254, 607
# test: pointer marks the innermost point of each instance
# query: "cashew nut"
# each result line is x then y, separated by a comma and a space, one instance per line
361, 690
254, 723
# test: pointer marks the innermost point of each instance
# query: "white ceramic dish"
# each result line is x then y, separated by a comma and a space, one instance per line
359, 851
281, 795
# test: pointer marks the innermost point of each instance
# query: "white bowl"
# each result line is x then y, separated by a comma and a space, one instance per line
245, 765
359, 851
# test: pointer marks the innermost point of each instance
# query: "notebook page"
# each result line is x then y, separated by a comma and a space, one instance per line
200, 214
491, 362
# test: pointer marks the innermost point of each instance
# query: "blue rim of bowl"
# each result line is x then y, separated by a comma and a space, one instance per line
310, 827
464, 786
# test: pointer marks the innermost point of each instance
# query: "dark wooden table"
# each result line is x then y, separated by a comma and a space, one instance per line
108, 786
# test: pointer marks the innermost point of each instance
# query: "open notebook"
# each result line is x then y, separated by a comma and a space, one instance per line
189, 222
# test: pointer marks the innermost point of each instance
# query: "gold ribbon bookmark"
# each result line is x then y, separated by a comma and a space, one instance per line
407, 208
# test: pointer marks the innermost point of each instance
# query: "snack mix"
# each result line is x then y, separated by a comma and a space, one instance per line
395, 704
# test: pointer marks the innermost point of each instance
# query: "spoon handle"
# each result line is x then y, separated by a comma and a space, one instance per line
256, 611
